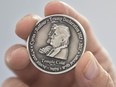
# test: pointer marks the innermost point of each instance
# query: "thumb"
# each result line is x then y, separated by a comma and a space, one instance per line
89, 73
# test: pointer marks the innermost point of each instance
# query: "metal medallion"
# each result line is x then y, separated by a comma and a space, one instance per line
56, 44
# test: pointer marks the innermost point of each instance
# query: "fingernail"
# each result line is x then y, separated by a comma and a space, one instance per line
10, 58
66, 10
59, 5
30, 16
36, 17
91, 69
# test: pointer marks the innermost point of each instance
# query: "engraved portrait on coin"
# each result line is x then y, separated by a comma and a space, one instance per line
56, 44
58, 41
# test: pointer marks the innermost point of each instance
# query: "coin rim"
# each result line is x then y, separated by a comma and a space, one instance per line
85, 43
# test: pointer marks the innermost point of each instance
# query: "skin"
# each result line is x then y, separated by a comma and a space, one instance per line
94, 68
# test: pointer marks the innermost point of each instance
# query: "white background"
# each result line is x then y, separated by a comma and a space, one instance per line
100, 13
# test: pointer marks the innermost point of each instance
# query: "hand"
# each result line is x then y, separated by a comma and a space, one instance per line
94, 68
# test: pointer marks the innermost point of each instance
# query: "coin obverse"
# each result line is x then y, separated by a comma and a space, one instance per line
56, 44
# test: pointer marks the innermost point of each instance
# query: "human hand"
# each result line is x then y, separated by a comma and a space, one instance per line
94, 68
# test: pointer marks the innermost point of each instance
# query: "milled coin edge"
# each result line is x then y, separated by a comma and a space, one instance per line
85, 43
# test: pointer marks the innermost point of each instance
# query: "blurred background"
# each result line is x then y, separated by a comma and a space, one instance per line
100, 13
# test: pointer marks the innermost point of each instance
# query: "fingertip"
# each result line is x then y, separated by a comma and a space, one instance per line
25, 25
84, 59
90, 73
54, 7
91, 69
13, 82
87, 66
17, 59
7, 82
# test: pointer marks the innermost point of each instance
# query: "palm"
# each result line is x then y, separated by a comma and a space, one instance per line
33, 77
46, 80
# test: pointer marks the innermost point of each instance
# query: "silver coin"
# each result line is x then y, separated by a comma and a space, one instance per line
56, 44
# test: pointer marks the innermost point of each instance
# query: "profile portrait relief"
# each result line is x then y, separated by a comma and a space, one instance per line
57, 42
